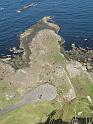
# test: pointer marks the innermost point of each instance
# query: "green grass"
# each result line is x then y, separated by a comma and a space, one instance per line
58, 57
77, 105
30, 114
83, 86
7, 89
55, 57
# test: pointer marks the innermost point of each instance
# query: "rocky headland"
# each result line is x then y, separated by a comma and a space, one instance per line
47, 78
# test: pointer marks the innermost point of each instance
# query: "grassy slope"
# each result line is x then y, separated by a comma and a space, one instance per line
31, 114
83, 88
9, 89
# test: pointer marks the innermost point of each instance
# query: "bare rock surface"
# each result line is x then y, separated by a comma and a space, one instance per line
5, 70
75, 68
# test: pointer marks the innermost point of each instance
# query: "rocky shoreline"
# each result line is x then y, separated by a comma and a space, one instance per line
19, 58
84, 56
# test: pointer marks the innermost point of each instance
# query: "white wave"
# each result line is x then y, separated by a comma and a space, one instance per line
1, 8
85, 39
18, 11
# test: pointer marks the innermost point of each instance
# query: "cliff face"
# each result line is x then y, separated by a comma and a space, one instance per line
47, 65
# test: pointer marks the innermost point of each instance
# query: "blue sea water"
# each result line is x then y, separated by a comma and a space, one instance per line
75, 18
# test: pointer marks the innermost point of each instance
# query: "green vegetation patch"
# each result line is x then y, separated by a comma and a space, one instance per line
79, 107
8, 94
83, 85
30, 114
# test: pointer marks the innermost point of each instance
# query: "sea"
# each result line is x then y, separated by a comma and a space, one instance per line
75, 18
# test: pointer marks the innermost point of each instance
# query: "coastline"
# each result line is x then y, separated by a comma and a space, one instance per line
47, 64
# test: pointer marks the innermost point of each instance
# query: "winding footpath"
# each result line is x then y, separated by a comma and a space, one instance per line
45, 92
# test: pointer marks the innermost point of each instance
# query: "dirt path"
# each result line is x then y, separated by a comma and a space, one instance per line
45, 92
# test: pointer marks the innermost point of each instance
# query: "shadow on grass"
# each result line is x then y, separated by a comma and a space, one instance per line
50, 120
77, 120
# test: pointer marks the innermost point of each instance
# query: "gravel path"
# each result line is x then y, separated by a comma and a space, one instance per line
45, 92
